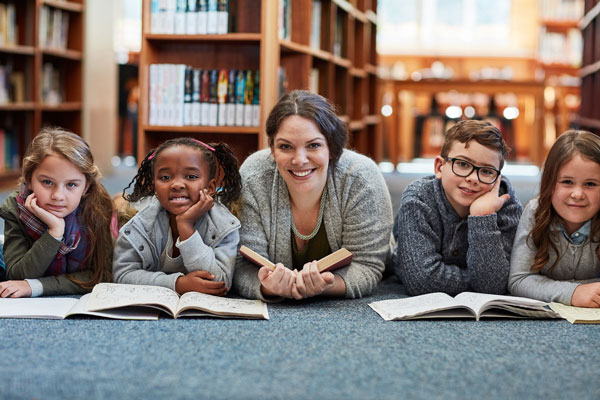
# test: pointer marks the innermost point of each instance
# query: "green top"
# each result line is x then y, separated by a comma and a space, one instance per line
27, 258
315, 249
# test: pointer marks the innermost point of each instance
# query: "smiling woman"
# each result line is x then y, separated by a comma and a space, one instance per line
306, 197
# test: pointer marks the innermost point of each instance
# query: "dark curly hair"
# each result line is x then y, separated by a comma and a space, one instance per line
223, 166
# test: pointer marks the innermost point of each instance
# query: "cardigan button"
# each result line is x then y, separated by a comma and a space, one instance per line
213, 237
455, 253
127, 231
141, 248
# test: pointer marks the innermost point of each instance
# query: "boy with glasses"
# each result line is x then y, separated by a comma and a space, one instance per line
455, 229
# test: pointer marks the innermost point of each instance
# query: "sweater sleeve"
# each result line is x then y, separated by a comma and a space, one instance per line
219, 261
128, 264
253, 235
522, 280
490, 244
366, 232
419, 263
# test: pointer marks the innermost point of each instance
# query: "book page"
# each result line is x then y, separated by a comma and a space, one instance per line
577, 315
480, 302
114, 295
37, 307
409, 307
221, 306
134, 313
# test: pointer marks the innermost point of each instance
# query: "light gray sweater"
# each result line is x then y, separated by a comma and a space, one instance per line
141, 241
577, 264
438, 251
357, 215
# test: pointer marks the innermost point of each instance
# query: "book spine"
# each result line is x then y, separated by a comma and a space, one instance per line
240, 87
196, 93
222, 16
213, 98
191, 17
256, 100
155, 25
202, 24
187, 97
205, 97
180, 17
231, 85
212, 18
222, 97
248, 98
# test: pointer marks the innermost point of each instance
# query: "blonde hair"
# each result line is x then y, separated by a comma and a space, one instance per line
96, 205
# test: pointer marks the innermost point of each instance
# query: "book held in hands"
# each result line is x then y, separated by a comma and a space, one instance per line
333, 261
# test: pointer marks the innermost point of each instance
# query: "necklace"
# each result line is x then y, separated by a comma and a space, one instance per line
319, 220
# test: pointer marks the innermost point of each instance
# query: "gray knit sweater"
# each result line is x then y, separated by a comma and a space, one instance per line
357, 216
438, 251
577, 264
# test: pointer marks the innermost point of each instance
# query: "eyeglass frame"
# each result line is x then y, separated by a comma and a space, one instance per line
474, 168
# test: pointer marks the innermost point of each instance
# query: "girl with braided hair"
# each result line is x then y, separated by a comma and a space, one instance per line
185, 238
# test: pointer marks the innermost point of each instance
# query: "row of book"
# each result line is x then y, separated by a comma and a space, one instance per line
54, 28
560, 48
561, 9
181, 95
9, 150
8, 25
52, 89
12, 85
189, 17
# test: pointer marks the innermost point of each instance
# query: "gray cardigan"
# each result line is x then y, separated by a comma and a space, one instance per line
357, 216
577, 264
438, 251
142, 240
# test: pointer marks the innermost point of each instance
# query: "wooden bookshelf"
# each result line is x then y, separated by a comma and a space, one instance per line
589, 113
346, 63
25, 111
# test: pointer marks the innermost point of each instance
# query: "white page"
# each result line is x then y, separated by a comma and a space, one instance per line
223, 305
135, 313
37, 307
413, 306
113, 295
482, 301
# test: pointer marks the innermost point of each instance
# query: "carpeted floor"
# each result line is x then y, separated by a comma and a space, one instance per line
320, 349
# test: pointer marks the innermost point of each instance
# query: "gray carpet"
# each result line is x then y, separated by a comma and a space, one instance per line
321, 349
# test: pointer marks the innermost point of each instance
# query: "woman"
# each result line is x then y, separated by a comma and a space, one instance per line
306, 197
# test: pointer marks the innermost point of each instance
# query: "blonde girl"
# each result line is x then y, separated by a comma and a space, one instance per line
57, 231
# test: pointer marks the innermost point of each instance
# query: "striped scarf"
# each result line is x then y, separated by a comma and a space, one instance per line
73, 249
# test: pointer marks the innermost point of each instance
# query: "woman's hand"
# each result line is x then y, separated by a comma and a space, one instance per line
15, 289
587, 295
310, 282
56, 225
200, 281
186, 220
278, 282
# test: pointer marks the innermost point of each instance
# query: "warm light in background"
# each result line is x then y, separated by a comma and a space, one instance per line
454, 112
511, 112
386, 110
469, 111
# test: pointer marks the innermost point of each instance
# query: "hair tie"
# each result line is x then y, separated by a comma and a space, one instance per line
204, 144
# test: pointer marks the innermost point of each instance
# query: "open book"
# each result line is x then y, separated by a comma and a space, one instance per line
109, 296
463, 305
577, 315
64, 307
333, 261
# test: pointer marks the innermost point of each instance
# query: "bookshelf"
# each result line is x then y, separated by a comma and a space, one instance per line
41, 47
327, 46
589, 114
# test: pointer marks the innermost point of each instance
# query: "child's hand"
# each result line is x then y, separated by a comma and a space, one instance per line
490, 202
186, 220
15, 289
587, 295
310, 282
56, 225
200, 281
278, 282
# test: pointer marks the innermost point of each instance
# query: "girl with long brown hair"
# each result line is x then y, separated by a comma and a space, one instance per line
556, 253
57, 231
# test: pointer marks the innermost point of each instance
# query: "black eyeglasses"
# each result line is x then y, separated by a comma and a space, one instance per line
464, 168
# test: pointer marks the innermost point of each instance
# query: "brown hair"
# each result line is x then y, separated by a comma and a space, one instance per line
315, 108
482, 132
567, 146
96, 205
